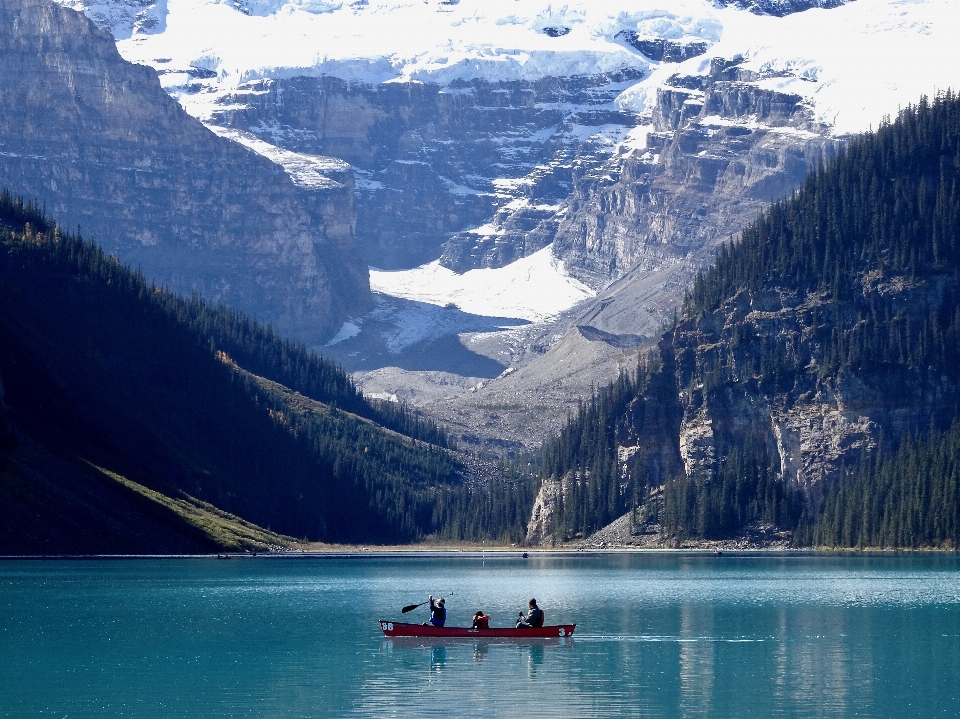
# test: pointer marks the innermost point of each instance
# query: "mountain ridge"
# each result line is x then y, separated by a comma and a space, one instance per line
806, 355
498, 127
97, 140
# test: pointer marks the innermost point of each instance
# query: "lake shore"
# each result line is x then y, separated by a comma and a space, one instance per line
718, 548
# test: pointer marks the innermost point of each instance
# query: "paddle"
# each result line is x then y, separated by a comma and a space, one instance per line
411, 607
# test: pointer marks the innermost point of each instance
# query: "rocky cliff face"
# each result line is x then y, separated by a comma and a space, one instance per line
435, 162
483, 173
812, 420
753, 373
100, 144
719, 147
779, 8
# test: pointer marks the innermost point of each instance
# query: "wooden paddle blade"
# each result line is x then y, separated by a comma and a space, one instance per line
409, 608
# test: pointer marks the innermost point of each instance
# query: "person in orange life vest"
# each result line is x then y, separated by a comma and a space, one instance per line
481, 621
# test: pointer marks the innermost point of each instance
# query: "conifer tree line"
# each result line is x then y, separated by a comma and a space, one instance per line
597, 487
254, 346
167, 391
907, 499
746, 490
869, 248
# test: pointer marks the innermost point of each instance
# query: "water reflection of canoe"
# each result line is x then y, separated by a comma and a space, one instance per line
403, 629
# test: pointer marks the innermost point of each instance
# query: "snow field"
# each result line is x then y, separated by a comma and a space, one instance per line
854, 64
535, 288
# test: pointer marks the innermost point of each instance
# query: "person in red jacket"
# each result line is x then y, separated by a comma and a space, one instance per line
481, 620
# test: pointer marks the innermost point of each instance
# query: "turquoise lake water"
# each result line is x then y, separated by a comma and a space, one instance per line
658, 635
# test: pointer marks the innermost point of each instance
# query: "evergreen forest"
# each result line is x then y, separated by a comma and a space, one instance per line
845, 294
103, 374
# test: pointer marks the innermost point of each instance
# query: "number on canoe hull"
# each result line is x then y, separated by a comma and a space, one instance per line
386, 626
562, 631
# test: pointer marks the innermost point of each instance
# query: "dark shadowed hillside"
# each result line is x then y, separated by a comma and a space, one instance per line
97, 140
120, 397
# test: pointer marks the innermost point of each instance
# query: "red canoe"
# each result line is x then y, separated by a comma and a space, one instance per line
403, 629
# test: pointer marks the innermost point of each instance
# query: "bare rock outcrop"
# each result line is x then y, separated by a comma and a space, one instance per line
719, 149
435, 162
756, 382
98, 142
544, 506
753, 371
779, 8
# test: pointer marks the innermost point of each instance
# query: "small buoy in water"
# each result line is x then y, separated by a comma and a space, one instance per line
717, 552
525, 555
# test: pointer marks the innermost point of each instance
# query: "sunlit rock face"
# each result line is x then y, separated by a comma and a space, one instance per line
97, 141
660, 50
816, 422
718, 148
435, 161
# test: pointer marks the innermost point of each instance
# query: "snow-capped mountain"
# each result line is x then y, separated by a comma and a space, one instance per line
512, 93
854, 60
628, 136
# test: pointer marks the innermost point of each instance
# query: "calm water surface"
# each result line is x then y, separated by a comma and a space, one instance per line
658, 635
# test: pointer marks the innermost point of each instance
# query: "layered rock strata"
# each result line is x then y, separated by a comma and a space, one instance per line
752, 373
719, 148
435, 163
779, 8
98, 142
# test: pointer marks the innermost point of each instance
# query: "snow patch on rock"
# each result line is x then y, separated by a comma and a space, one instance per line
535, 288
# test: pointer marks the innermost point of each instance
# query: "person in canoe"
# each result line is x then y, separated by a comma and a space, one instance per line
481, 620
438, 612
534, 618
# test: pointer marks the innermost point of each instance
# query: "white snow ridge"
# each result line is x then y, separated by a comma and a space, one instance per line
854, 64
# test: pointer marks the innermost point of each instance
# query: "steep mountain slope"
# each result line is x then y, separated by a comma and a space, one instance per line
625, 140
97, 141
129, 412
814, 346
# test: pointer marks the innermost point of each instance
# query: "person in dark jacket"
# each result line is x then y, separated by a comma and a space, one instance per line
534, 618
438, 612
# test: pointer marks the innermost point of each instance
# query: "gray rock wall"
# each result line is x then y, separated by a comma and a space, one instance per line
720, 149
779, 8
432, 161
98, 142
